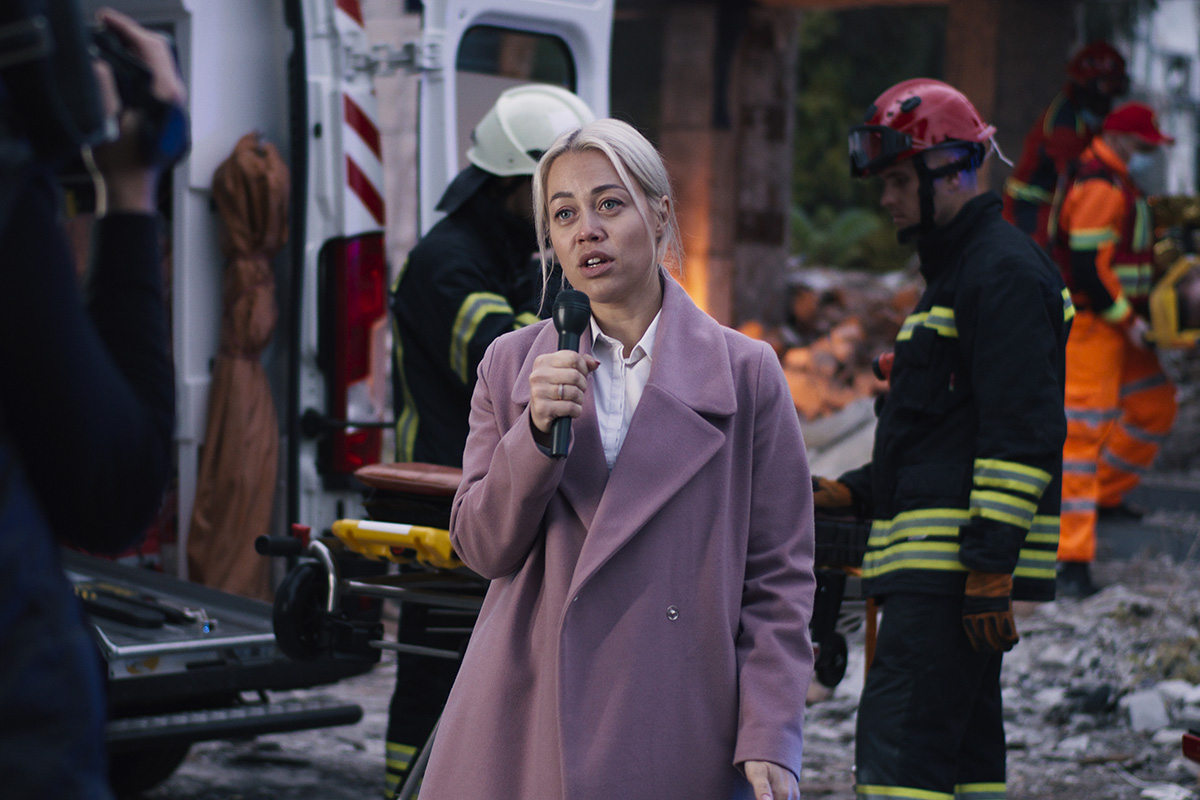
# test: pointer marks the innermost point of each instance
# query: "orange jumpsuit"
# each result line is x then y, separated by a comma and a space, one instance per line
1057, 138
1120, 405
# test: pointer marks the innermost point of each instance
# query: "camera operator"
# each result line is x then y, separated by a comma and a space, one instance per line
86, 416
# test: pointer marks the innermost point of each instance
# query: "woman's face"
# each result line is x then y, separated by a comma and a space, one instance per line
598, 235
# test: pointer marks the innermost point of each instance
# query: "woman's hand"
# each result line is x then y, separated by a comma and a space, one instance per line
771, 781
557, 386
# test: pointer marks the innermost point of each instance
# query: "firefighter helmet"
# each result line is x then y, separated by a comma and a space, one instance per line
521, 125
1100, 68
913, 116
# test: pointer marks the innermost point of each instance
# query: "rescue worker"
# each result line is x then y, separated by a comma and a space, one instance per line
1095, 77
1120, 404
473, 277
963, 486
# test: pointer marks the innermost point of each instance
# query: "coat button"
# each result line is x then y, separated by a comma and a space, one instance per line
672, 613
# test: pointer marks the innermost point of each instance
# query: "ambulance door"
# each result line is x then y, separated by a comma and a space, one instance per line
483, 47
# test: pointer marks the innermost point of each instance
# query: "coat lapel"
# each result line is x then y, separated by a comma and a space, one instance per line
670, 437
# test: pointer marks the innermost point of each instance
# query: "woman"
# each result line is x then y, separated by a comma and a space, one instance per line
646, 630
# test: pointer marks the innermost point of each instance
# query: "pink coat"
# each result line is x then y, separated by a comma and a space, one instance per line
645, 630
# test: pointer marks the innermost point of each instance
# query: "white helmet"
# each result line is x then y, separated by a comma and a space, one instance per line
521, 125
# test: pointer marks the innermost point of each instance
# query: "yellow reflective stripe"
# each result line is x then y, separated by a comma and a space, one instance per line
1000, 474
1003, 507
1019, 190
408, 418
942, 556
1090, 238
941, 319
1068, 306
910, 324
473, 310
938, 318
1117, 311
904, 792
1039, 556
1143, 228
400, 756
525, 319
917, 524
1136, 279
980, 791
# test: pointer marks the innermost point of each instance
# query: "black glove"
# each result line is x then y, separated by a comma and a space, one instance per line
987, 612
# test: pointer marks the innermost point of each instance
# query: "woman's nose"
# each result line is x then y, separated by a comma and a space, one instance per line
590, 228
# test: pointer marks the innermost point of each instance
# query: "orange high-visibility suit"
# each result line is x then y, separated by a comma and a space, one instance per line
1120, 405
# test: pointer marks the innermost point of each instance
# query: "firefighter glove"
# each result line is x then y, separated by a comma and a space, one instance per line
831, 494
987, 612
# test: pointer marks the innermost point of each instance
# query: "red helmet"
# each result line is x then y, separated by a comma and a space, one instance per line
1099, 66
912, 116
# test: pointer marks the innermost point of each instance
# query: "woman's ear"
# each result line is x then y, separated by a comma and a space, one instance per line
664, 213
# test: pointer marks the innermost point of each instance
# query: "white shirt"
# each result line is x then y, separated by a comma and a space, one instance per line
618, 384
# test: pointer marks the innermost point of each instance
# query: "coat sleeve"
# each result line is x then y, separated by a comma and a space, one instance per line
775, 660
498, 513
1013, 333
1092, 216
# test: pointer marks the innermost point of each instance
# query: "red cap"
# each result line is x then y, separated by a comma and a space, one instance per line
1138, 119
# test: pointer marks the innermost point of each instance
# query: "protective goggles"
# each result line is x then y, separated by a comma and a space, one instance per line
873, 147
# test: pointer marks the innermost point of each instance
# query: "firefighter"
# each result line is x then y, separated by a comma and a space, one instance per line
1095, 76
473, 277
963, 485
1120, 405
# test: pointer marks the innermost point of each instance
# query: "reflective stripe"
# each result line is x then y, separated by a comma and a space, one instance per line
918, 524
939, 319
1039, 555
1019, 190
1143, 226
1122, 465
1000, 474
1117, 311
1081, 506
1068, 306
525, 319
408, 419
980, 791
1136, 279
1090, 417
904, 792
1003, 507
941, 556
1149, 382
1091, 238
1142, 435
1079, 467
473, 310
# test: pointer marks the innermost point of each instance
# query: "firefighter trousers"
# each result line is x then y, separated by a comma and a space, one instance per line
1120, 407
930, 725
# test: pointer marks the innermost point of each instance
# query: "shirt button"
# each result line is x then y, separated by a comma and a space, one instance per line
672, 613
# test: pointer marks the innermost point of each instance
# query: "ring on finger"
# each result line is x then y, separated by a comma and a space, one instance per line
560, 391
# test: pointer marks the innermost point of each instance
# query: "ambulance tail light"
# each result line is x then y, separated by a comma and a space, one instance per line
356, 303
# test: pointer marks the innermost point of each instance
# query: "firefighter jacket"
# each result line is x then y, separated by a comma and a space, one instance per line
966, 471
469, 280
1056, 139
1103, 240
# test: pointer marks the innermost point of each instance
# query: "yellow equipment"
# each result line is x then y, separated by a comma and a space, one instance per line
1175, 299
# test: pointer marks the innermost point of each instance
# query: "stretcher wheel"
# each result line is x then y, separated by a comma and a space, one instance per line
832, 660
299, 609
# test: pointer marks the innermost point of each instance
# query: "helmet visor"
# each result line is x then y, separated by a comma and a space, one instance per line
873, 147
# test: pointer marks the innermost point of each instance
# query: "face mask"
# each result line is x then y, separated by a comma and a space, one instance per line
1140, 166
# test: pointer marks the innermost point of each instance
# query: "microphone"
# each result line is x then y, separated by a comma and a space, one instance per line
572, 312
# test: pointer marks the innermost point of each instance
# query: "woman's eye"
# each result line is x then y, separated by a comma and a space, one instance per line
562, 214
609, 203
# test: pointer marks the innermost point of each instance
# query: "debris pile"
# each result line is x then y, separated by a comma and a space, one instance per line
837, 322
1096, 695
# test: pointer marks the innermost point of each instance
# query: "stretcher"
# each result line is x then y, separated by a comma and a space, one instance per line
406, 534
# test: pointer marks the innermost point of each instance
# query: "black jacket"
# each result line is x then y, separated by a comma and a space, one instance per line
469, 280
967, 466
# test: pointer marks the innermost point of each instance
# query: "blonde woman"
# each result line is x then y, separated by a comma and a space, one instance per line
646, 629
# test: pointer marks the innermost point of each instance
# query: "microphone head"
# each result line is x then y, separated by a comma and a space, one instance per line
572, 312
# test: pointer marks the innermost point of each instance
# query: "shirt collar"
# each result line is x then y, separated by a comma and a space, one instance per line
644, 347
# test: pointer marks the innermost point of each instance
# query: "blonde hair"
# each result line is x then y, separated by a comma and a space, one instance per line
640, 169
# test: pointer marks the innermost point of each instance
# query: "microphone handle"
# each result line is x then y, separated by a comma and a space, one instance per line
560, 429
